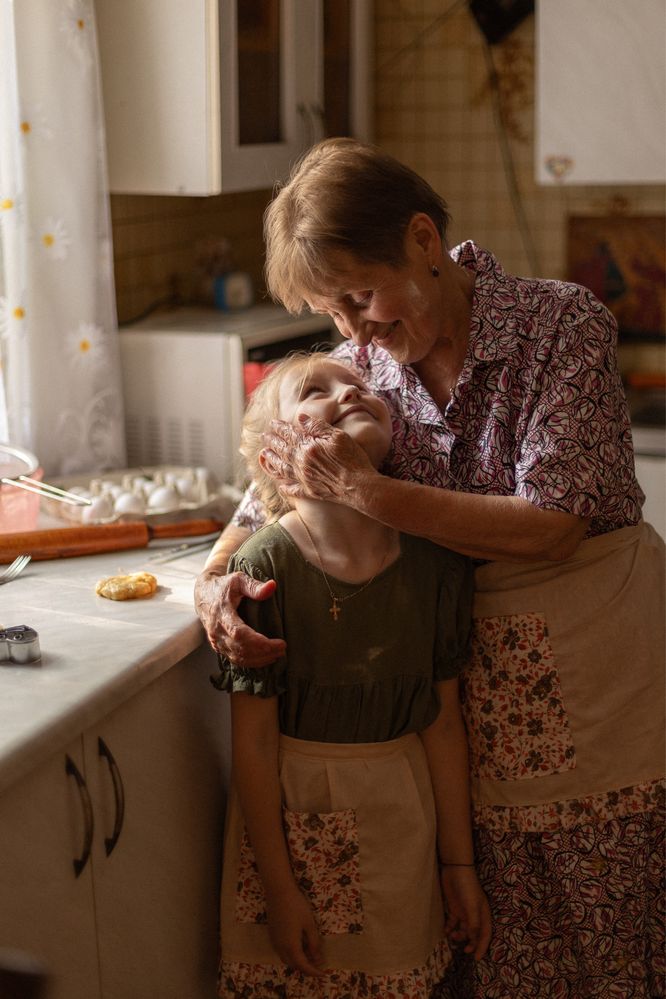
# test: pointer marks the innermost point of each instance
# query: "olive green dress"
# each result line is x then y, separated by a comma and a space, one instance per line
358, 809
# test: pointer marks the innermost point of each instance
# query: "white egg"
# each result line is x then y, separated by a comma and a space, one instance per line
130, 503
101, 508
188, 488
163, 498
147, 485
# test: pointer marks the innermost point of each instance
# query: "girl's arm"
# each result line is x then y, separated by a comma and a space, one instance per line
255, 765
445, 744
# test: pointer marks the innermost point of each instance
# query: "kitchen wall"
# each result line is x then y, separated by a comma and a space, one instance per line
435, 111
158, 243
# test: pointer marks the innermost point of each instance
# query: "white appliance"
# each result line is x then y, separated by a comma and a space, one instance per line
183, 380
650, 463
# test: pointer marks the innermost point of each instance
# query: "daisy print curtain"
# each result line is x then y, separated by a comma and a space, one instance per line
60, 387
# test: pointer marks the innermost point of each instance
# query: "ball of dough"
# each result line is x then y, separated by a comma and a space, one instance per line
130, 587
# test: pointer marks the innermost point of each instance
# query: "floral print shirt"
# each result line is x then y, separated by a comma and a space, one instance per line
538, 411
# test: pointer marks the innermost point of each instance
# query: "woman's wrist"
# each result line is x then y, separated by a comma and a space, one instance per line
359, 489
456, 863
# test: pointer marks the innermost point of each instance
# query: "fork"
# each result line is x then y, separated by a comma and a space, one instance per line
12, 571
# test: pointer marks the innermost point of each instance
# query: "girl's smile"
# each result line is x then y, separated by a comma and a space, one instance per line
330, 391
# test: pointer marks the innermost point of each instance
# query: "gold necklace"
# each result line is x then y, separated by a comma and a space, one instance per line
336, 606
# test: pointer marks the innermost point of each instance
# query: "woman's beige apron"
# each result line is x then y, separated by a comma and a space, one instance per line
564, 696
360, 826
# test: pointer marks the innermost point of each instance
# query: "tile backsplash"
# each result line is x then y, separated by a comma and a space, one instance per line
158, 241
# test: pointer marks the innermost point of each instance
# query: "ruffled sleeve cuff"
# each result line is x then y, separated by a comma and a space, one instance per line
264, 681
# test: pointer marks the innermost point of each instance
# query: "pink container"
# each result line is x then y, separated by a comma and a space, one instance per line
19, 509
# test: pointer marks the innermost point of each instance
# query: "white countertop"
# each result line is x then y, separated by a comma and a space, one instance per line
96, 653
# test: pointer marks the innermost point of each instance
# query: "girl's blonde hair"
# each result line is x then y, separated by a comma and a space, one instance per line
343, 195
264, 406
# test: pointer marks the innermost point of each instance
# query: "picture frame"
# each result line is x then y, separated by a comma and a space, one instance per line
622, 260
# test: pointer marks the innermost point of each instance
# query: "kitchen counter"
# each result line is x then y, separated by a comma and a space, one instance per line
96, 653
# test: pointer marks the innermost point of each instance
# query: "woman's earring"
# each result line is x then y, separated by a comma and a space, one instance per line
434, 270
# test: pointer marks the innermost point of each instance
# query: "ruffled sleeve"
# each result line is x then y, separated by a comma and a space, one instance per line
262, 616
454, 618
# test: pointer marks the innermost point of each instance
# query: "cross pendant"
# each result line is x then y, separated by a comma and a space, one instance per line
334, 609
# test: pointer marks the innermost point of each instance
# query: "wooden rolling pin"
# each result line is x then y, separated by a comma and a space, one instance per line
65, 542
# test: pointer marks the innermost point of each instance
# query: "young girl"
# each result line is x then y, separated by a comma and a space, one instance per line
337, 851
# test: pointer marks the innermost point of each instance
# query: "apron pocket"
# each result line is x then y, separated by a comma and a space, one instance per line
512, 701
323, 849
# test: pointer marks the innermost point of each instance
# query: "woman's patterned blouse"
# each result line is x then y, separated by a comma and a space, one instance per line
538, 411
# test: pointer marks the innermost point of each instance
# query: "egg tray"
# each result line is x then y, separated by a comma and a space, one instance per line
220, 502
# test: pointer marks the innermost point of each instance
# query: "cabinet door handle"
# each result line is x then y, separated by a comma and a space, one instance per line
118, 794
72, 770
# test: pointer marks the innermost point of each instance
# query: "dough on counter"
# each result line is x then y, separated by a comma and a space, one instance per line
130, 587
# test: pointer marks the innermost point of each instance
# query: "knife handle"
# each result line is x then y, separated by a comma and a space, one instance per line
185, 528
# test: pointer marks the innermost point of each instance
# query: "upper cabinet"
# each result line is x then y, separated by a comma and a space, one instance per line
601, 91
210, 96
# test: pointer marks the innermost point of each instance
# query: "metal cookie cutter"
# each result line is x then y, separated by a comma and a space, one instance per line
19, 646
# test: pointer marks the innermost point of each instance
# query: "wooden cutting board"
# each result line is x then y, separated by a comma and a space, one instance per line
66, 542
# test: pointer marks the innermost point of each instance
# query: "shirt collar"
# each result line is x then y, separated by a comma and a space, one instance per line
492, 289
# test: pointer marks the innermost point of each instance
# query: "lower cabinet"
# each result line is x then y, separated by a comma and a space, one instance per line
110, 854
45, 909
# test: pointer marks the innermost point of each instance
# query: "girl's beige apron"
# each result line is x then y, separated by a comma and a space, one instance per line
360, 825
564, 697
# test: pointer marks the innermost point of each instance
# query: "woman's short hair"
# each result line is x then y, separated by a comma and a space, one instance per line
264, 406
342, 195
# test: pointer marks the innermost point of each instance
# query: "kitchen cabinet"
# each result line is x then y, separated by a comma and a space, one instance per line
44, 909
140, 918
223, 95
601, 92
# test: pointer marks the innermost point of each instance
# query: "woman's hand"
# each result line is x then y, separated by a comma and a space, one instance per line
294, 933
468, 918
314, 460
216, 599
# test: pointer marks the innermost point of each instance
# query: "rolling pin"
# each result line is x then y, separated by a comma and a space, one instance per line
66, 542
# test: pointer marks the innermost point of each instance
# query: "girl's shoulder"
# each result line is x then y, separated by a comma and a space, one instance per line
268, 547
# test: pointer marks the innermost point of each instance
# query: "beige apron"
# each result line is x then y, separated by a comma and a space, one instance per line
360, 826
564, 696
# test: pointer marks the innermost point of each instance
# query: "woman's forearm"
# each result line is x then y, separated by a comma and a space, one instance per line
228, 542
503, 528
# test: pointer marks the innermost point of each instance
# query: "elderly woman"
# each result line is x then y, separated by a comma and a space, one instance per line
511, 444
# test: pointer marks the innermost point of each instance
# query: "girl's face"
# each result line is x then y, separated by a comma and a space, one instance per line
326, 390
400, 309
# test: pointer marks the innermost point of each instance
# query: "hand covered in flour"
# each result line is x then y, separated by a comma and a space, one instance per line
313, 460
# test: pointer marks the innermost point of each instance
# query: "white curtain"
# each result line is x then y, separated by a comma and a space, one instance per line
60, 386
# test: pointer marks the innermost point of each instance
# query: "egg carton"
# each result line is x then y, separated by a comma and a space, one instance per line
155, 494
